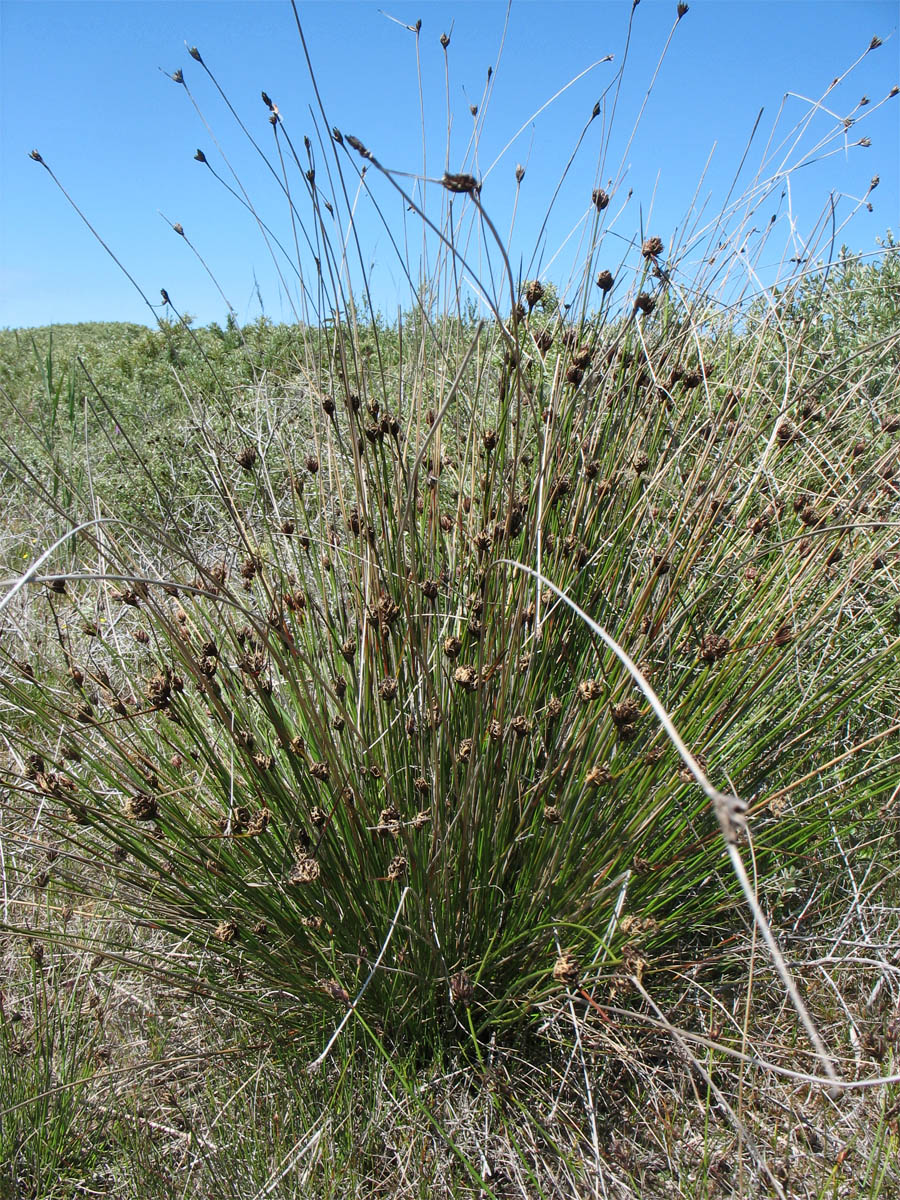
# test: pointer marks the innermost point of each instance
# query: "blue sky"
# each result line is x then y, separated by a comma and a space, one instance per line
85, 84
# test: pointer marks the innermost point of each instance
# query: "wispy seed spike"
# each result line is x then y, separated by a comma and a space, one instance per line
682, 9
36, 156
177, 76
355, 144
875, 42
195, 54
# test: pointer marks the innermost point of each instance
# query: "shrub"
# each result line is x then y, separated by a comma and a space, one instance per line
358, 739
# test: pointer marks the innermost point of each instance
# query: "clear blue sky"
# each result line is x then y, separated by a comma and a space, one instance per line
81, 82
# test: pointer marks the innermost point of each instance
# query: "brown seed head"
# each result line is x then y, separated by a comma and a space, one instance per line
461, 990
565, 969
810, 515
598, 776
520, 725
625, 713
464, 750
605, 281
159, 688
543, 340
786, 433
305, 870
599, 199
466, 678
651, 247
534, 291
397, 868
452, 646
713, 647
461, 184
258, 822
388, 822
645, 303
34, 766
141, 807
